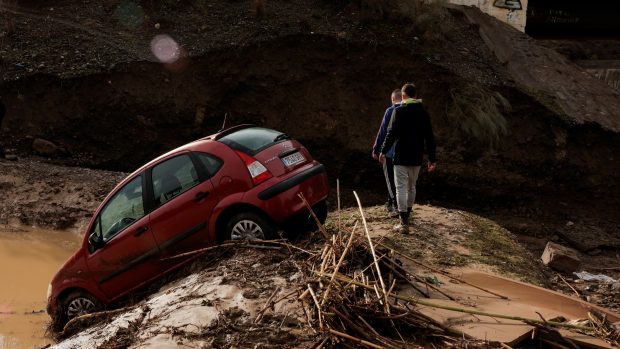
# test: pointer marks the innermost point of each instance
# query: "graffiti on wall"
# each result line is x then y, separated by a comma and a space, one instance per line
508, 4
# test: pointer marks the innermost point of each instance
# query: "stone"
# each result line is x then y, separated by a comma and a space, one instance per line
560, 258
44, 147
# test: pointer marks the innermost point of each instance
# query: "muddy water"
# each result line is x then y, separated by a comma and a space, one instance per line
28, 260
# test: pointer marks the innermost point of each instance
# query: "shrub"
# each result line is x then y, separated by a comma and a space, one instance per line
478, 113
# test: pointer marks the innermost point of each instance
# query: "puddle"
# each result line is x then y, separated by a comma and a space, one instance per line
28, 260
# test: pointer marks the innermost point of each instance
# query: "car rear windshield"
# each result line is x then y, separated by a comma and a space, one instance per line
252, 140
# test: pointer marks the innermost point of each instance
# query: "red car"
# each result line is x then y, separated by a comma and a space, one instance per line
241, 183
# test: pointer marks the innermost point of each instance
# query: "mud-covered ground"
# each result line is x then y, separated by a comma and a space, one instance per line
220, 301
36, 193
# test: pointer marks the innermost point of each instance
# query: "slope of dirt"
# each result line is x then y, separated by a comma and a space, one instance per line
583, 98
220, 305
224, 299
39, 194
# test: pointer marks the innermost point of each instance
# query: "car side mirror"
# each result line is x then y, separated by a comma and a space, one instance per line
95, 242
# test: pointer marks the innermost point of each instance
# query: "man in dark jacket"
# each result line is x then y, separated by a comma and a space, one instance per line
410, 131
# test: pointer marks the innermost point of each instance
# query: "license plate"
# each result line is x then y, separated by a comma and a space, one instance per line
293, 159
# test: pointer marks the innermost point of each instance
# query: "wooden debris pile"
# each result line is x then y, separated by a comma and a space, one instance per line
352, 297
349, 298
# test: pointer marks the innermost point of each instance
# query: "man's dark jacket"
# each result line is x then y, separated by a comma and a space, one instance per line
410, 129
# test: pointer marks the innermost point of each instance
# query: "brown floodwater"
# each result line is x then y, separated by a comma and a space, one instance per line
28, 260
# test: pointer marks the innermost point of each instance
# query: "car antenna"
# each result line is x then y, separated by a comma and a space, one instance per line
224, 123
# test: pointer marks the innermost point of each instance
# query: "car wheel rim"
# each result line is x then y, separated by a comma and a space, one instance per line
247, 230
80, 306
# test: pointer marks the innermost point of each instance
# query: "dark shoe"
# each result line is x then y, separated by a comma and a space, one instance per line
403, 226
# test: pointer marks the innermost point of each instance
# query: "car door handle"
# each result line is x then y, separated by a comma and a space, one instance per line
201, 195
140, 231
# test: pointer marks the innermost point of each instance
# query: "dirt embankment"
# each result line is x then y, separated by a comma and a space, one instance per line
251, 296
40, 194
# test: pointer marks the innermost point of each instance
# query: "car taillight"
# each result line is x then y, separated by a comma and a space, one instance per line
258, 171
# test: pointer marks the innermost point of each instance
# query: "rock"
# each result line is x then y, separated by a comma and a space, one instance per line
560, 258
615, 286
44, 147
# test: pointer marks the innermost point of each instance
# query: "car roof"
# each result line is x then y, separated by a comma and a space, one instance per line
192, 146
184, 148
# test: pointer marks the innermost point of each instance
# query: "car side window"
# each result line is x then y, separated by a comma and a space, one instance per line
173, 177
210, 163
125, 207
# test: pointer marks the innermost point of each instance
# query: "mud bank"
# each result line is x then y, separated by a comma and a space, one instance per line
330, 95
223, 299
40, 194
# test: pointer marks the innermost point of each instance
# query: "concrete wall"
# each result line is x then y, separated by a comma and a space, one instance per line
513, 12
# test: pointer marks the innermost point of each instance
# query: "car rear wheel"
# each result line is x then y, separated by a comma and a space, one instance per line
309, 223
79, 303
320, 210
248, 226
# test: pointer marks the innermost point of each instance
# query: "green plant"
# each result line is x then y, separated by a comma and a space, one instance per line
478, 112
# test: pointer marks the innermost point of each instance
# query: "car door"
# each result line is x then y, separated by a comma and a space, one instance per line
125, 255
182, 199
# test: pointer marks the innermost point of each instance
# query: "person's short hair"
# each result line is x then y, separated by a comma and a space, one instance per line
397, 94
409, 89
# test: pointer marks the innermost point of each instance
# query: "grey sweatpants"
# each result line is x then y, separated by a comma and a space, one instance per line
405, 178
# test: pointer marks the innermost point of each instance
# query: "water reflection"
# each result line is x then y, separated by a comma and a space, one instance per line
28, 260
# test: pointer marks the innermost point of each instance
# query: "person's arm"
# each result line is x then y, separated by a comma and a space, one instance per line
390, 136
376, 148
431, 146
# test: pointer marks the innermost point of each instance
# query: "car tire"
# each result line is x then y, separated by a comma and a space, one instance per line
248, 226
79, 303
320, 210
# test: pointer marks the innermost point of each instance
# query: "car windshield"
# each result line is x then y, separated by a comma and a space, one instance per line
252, 140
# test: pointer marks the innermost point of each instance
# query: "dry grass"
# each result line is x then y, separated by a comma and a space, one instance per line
478, 112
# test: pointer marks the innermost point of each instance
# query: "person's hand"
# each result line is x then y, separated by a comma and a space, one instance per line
431, 166
375, 156
381, 158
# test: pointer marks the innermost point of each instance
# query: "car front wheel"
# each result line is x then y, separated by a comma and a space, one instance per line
79, 303
248, 226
